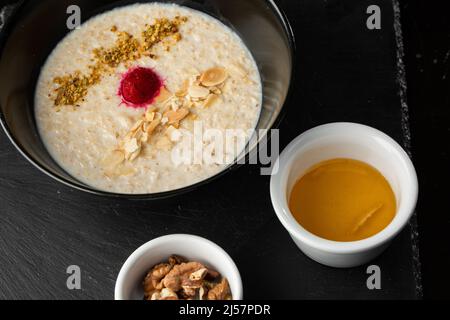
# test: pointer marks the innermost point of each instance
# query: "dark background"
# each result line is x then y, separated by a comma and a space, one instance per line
344, 73
426, 27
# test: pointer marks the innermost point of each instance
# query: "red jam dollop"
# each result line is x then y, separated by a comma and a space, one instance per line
139, 87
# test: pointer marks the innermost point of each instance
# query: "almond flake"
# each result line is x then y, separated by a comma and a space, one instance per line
212, 98
215, 90
137, 126
163, 96
189, 104
134, 155
196, 91
138, 133
131, 146
153, 125
158, 116
184, 89
176, 104
176, 116
144, 137
213, 77
149, 116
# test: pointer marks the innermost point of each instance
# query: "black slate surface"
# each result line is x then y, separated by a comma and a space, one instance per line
345, 72
427, 35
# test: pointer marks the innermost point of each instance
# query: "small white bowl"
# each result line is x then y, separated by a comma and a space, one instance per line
193, 248
353, 141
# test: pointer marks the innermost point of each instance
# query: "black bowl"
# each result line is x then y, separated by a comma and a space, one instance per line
36, 27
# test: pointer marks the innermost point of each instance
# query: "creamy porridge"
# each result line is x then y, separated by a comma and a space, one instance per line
121, 97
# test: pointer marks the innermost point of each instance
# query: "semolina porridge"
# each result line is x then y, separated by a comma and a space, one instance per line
120, 100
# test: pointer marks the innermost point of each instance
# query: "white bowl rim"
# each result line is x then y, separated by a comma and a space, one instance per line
279, 199
132, 259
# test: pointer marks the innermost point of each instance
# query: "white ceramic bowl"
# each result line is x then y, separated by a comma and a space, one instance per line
132, 274
353, 141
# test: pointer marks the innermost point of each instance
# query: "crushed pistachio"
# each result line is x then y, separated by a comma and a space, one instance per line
127, 49
73, 88
162, 29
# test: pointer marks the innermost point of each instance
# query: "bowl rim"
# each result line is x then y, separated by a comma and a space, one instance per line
279, 197
146, 247
78, 185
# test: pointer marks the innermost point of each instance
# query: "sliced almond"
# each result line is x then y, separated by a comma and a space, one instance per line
135, 154
144, 138
169, 130
176, 116
151, 109
183, 90
152, 126
158, 116
137, 125
176, 104
196, 91
213, 77
138, 133
149, 116
130, 146
212, 98
215, 90
164, 95
189, 104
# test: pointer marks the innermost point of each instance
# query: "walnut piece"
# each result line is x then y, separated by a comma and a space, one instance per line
198, 275
221, 291
153, 280
167, 294
179, 279
180, 273
174, 260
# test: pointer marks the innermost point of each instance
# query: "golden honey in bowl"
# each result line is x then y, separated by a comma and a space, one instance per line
343, 200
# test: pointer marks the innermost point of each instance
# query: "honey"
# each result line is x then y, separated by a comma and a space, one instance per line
343, 200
